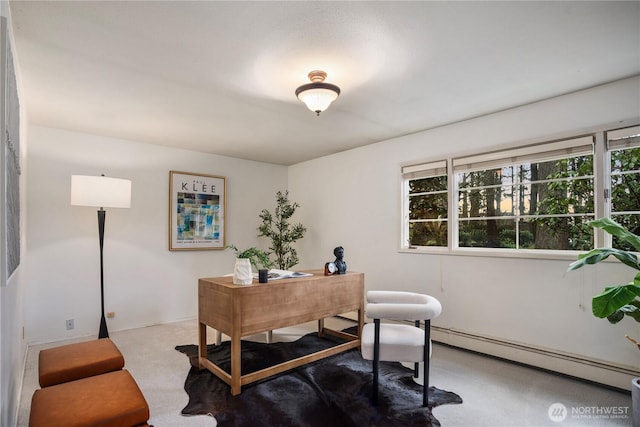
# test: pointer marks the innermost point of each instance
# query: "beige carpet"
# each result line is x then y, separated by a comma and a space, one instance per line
495, 393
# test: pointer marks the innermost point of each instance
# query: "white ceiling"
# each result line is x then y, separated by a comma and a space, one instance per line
220, 77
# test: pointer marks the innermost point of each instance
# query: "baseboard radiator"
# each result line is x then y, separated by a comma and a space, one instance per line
573, 365
564, 363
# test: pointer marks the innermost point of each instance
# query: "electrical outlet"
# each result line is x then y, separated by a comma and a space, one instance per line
111, 314
70, 324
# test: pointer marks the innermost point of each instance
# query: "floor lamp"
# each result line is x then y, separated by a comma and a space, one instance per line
102, 192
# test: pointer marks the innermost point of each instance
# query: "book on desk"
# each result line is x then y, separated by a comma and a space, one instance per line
275, 274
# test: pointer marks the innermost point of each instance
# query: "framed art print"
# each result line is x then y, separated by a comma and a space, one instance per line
196, 211
10, 161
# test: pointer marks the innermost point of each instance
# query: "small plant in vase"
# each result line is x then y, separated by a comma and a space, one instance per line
245, 260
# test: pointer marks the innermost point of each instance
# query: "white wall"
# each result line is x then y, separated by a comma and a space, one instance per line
353, 199
145, 283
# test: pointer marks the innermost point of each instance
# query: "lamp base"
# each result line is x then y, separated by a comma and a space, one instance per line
103, 328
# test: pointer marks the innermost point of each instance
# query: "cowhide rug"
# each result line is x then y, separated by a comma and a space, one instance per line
331, 392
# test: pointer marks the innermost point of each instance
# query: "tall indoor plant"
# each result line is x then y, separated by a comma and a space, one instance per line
282, 233
616, 302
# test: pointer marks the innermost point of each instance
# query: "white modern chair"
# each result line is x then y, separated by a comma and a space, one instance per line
395, 342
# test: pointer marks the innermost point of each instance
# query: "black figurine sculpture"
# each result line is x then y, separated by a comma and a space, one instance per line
339, 262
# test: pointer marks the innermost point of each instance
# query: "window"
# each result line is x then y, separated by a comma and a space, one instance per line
425, 204
531, 198
528, 198
623, 148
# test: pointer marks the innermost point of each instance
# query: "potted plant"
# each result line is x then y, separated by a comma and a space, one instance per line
282, 234
616, 302
252, 257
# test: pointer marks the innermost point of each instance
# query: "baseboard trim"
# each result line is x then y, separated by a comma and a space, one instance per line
613, 375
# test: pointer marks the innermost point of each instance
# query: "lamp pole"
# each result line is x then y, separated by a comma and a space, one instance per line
104, 333
101, 192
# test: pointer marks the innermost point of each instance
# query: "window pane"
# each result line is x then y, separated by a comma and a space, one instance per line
526, 234
625, 187
494, 201
541, 197
488, 233
428, 206
625, 192
525, 174
561, 197
625, 160
563, 168
425, 185
427, 203
632, 223
428, 233
560, 233
484, 178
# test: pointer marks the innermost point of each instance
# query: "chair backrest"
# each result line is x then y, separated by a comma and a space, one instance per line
398, 305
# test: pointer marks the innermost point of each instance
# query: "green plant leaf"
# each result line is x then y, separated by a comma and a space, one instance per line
256, 256
632, 310
596, 255
615, 229
613, 298
617, 316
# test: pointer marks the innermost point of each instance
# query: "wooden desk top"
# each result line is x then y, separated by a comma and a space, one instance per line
248, 309
227, 281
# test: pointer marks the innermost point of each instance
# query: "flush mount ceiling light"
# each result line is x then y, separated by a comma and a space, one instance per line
317, 95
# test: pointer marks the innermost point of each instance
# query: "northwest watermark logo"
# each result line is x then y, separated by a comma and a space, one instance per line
558, 412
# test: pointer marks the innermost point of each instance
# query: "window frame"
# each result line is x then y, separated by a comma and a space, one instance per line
601, 206
538, 153
419, 170
615, 139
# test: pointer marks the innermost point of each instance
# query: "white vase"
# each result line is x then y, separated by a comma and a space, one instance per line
635, 401
242, 274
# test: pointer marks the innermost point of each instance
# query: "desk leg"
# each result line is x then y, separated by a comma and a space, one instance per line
218, 337
202, 344
236, 368
321, 327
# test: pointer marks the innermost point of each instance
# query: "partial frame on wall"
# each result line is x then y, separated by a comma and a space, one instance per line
10, 160
197, 207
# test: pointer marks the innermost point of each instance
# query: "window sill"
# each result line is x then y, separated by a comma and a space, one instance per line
496, 253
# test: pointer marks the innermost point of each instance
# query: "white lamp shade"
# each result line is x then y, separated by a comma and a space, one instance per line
100, 191
318, 99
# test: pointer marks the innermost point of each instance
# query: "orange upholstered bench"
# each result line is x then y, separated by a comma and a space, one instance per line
107, 400
75, 361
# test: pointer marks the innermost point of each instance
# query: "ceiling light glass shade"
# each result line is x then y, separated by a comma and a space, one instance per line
100, 191
318, 95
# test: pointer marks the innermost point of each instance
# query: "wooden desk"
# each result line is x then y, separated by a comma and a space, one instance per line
242, 310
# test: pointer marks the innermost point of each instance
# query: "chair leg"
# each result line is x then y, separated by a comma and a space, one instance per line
376, 360
426, 349
416, 365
